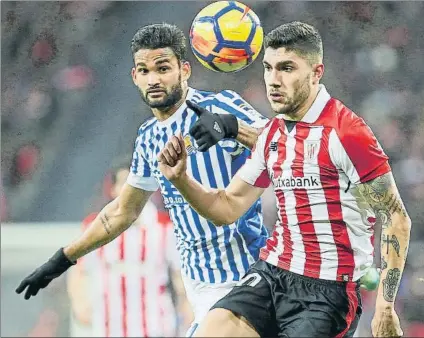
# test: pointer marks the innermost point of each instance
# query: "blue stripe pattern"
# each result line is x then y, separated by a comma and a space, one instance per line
208, 253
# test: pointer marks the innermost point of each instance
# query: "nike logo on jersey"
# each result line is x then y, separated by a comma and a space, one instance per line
217, 128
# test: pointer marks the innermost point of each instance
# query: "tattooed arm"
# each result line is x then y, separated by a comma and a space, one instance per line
114, 219
383, 197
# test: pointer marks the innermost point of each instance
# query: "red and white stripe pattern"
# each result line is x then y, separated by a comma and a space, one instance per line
323, 230
129, 278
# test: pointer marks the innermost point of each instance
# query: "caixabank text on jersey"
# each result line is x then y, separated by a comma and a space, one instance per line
296, 182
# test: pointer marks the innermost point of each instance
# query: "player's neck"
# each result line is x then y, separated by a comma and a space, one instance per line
301, 111
163, 114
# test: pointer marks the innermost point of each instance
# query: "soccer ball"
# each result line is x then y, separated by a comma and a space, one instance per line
226, 36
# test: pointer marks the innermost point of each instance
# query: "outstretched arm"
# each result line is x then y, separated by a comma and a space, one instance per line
383, 197
219, 206
114, 219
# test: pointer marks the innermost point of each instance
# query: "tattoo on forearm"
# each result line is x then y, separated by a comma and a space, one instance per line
105, 222
381, 196
390, 284
383, 263
382, 200
394, 242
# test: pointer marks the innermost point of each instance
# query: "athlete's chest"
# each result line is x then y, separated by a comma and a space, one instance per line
299, 158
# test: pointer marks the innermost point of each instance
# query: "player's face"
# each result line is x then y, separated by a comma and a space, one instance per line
288, 79
160, 77
121, 178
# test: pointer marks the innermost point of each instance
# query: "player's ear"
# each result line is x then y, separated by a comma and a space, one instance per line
318, 72
185, 70
133, 75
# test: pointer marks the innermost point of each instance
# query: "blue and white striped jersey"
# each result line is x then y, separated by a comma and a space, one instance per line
208, 253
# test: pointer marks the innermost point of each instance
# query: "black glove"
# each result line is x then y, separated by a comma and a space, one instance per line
43, 275
211, 128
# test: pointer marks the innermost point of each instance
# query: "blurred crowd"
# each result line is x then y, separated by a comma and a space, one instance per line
68, 105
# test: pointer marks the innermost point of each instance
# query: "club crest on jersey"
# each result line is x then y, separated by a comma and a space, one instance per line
191, 149
311, 150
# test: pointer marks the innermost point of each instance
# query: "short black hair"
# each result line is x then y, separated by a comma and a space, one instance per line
298, 37
120, 163
160, 35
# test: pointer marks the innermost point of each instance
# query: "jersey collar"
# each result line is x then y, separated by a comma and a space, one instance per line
174, 117
318, 106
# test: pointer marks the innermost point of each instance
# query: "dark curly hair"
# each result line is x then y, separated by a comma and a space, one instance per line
160, 36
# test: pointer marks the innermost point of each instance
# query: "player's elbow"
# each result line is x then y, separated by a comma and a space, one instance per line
225, 212
222, 217
401, 225
404, 224
223, 220
126, 214
231, 218
129, 216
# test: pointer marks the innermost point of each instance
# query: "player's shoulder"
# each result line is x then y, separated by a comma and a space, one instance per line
213, 98
147, 125
270, 127
341, 118
229, 101
231, 96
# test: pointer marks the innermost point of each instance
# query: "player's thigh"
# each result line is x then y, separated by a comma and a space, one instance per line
249, 307
313, 323
224, 323
310, 323
312, 308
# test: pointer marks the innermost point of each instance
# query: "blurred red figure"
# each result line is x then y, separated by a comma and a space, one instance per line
122, 289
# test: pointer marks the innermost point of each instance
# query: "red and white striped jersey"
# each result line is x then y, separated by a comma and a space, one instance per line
129, 278
323, 230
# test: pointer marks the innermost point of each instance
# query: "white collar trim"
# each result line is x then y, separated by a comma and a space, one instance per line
174, 117
318, 106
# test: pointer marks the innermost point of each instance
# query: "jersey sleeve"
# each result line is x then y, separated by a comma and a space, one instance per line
140, 175
355, 150
254, 171
230, 102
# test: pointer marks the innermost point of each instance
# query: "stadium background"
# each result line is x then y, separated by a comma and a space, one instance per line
68, 106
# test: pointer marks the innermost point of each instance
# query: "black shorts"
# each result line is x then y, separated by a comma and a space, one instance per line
279, 303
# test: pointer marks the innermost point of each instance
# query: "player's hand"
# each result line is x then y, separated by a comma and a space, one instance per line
211, 128
386, 324
43, 275
173, 158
